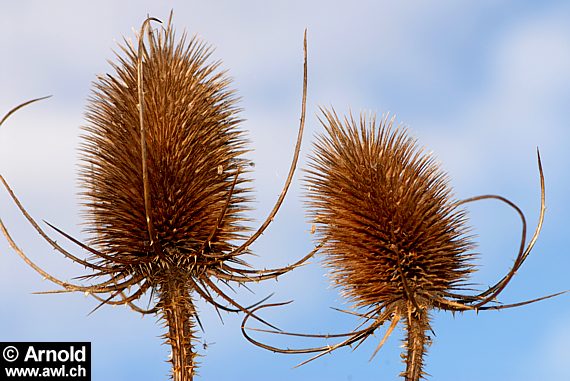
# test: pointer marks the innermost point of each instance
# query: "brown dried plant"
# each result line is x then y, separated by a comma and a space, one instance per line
163, 177
394, 240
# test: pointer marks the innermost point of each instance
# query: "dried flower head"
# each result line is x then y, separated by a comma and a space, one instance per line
165, 193
394, 239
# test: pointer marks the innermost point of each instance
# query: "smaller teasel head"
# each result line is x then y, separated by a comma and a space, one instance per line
385, 211
394, 239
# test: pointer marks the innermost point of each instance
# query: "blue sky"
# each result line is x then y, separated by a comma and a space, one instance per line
481, 84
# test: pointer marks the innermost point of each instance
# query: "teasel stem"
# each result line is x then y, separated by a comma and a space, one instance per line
417, 325
178, 312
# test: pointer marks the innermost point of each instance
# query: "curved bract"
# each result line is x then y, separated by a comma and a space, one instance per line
164, 184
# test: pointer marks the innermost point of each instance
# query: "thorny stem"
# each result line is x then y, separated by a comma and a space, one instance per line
178, 312
417, 324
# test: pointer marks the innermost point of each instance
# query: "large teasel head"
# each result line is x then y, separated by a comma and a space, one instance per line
163, 177
395, 240
162, 156
154, 221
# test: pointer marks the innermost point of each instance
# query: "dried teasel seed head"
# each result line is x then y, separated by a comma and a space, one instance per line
386, 213
163, 173
394, 240
194, 147
163, 178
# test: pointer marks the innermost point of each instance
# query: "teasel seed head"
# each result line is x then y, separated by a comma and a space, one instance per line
156, 218
195, 150
165, 189
394, 238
